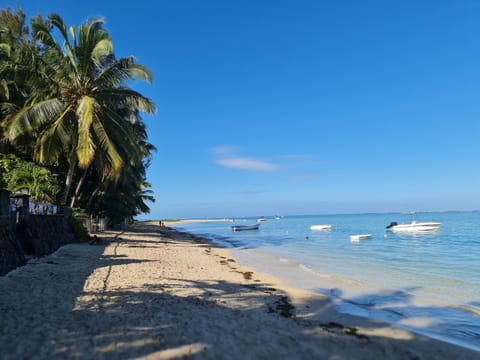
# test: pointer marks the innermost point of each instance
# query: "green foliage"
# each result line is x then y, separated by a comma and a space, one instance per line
79, 231
18, 175
65, 102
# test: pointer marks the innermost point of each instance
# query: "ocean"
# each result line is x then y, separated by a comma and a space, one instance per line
425, 283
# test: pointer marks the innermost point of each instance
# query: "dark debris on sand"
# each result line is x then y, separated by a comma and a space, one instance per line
283, 307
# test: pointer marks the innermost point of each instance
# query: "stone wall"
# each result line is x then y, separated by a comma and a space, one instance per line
11, 253
29, 235
40, 235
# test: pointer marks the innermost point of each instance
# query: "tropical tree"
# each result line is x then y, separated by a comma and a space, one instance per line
19, 73
119, 202
126, 197
29, 178
84, 112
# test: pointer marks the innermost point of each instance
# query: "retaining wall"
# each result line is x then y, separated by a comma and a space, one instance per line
29, 235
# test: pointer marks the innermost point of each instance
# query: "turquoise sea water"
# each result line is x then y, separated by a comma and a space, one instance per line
427, 283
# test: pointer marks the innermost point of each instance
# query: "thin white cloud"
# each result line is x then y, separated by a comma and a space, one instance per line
226, 156
244, 163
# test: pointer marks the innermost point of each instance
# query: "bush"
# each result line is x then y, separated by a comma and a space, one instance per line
79, 231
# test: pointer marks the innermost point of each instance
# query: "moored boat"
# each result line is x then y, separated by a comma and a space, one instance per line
360, 237
414, 227
245, 227
320, 227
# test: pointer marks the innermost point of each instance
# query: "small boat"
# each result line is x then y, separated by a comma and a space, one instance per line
262, 218
320, 227
245, 227
414, 227
360, 237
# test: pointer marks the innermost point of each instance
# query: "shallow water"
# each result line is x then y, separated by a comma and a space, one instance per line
428, 283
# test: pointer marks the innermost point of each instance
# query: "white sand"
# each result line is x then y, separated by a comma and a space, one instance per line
147, 294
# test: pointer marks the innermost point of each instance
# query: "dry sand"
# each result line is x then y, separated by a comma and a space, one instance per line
153, 293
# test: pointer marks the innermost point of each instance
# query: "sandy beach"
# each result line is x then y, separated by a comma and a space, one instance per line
155, 293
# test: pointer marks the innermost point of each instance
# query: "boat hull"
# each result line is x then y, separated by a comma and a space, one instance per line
415, 227
245, 227
320, 227
360, 237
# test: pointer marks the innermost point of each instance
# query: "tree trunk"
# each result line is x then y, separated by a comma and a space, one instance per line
71, 171
92, 197
79, 186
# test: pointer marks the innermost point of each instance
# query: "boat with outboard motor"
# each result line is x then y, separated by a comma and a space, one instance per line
414, 227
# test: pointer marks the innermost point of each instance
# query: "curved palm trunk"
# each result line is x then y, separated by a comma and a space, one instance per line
79, 186
71, 171
68, 182
92, 198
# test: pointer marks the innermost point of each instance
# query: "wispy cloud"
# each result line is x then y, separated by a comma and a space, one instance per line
244, 163
226, 156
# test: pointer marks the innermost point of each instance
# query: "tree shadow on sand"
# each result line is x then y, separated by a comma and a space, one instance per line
178, 318
459, 324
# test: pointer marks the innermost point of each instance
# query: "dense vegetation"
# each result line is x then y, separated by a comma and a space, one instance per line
71, 128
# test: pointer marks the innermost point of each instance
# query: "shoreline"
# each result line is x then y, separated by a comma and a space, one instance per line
152, 292
181, 221
396, 289
291, 273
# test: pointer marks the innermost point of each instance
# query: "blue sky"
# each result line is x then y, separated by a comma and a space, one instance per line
303, 107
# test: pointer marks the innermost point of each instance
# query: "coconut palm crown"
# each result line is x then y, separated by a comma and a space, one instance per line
86, 110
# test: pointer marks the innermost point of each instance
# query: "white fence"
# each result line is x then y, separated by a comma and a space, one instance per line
94, 224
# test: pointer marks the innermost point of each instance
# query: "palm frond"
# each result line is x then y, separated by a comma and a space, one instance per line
109, 149
127, 98
32, 117
86, 146
89, 36
53, 140
5, 49
4, 90
122, 70
102, 49
137, 71
42, 33
58, 22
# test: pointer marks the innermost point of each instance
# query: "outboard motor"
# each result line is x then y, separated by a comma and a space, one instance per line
392, 224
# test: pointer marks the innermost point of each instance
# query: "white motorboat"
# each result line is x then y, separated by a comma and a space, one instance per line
360, 237
320, 227
414, 227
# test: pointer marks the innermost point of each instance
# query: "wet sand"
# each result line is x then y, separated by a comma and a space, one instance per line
155, 293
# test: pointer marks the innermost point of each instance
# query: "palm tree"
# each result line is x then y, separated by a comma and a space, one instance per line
19, 74
133, 170
84, 113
